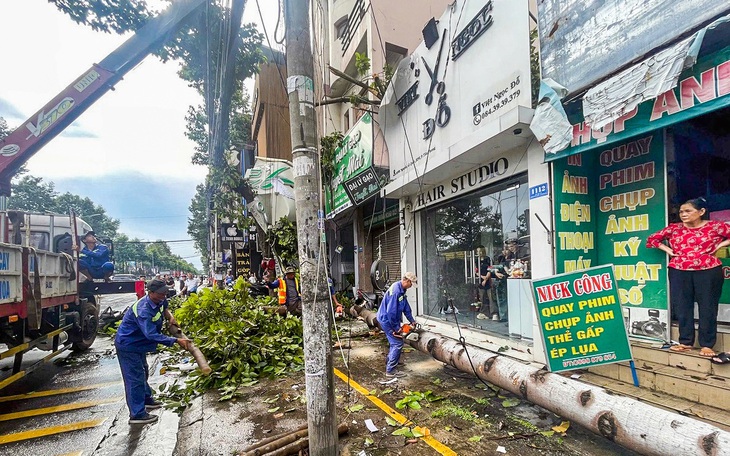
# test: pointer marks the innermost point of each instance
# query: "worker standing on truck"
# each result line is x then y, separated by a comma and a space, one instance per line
94, 259
138, 334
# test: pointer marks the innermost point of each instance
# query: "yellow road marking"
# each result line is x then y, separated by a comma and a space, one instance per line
55, 392
430, 441
11, 379
14, 350
43, 432
73, 453
57, 408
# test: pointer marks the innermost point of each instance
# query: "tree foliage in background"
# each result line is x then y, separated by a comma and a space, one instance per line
198, 222
201, 65
201, 46
32, 194
328, 146
283, 241
4, 129
460, 225
534, 66
117, 16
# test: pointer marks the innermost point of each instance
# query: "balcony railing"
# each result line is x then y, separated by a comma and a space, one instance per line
353, 22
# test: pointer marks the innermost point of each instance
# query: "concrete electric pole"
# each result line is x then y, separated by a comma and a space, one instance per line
317, 312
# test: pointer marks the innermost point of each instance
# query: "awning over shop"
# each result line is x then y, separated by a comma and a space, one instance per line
669, 87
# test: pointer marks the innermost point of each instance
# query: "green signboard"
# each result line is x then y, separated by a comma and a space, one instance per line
632, 205
580, 319
351, 159
703, 88
607, 202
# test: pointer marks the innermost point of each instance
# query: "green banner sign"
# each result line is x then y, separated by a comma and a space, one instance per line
703, 88
607, 202
353, 158
580, 319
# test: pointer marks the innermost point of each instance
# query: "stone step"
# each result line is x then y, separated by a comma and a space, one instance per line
703, 388
712, 415
691, 361
723, 338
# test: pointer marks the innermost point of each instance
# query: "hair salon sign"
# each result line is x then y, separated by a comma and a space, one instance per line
442, 102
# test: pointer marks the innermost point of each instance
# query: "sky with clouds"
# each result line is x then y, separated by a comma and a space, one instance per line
128, 151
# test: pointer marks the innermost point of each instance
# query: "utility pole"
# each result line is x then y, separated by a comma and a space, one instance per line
316, 312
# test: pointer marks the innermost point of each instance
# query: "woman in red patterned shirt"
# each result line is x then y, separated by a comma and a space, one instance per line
695, 274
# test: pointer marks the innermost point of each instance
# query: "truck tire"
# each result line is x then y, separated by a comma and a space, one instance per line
89, 321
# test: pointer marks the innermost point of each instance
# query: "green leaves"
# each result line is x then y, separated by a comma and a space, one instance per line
413, 398
511, 402
241, 341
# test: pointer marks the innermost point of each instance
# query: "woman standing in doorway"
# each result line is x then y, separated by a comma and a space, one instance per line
695, 274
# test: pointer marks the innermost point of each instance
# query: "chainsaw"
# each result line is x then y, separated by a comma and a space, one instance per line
407, 332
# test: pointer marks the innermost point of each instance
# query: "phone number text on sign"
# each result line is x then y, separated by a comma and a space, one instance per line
503, 97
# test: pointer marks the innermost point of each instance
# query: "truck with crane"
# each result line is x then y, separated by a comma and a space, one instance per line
43, 304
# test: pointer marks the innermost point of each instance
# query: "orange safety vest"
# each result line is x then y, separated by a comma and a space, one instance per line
282, 289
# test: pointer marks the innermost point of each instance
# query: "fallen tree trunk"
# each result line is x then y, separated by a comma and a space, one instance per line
287, 443
370, 317
632, 424
292, 448
255, 449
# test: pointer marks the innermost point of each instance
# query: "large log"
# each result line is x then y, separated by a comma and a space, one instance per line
370, 317
632, 424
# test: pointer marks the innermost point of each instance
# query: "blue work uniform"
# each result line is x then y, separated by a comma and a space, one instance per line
96, 261
138, 334
395, 303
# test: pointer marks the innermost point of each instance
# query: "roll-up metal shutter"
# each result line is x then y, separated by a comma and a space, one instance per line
388, 239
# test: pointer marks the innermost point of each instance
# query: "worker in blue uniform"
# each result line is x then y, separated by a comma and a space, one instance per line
394, 305
138, 334
94, 259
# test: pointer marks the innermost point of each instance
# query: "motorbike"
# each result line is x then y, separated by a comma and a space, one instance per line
371, 301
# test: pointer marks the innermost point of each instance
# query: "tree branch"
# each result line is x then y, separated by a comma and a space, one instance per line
347, 100
349, 78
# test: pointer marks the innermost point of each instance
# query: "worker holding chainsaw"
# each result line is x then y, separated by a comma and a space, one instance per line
138, 334
394, 305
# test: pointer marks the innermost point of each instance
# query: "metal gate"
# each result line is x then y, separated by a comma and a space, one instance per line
386, 245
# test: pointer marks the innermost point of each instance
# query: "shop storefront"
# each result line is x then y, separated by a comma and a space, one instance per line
469, 239
615, 186
462, 164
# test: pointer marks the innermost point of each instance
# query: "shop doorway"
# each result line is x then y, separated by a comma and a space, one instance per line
699, 165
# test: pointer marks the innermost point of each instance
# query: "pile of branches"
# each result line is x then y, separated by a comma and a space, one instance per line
242, 339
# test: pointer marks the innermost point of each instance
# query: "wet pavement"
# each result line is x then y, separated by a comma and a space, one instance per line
75, 406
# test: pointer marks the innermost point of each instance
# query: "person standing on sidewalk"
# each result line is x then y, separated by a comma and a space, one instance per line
695, 274
288, 291
394, 305
138, 334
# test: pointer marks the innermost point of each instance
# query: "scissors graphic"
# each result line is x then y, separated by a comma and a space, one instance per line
434, 74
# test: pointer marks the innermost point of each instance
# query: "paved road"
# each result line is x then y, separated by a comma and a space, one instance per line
75, 406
